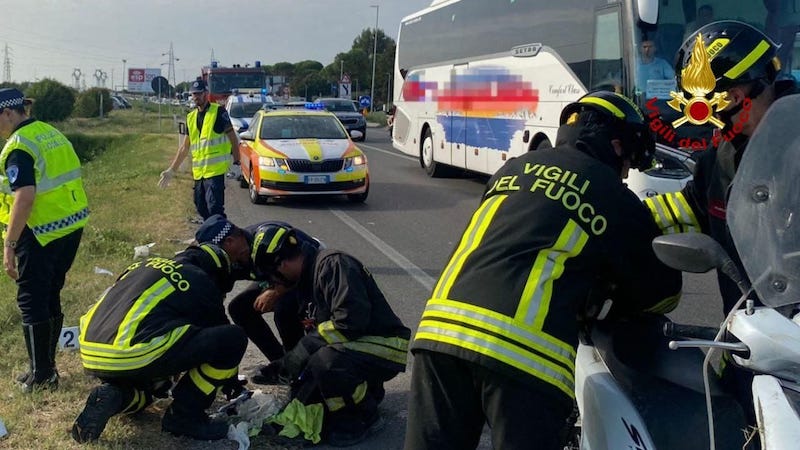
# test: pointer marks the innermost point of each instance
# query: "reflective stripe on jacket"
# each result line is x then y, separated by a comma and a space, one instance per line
60, 206
211, 151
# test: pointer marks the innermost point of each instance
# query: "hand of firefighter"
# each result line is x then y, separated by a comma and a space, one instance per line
166, 177
265, 302
233, 387
271, 374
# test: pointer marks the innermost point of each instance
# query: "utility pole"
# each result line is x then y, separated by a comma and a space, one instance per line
76, 75
374, 59
171, 69
124, 74
6, 64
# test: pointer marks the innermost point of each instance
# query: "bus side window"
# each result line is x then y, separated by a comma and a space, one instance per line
607, 51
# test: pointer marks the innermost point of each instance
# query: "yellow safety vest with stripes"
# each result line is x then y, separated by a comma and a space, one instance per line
60, 206
211, 151
551, 224
672, 213
150, 307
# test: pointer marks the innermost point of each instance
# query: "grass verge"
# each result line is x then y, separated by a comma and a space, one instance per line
127, 209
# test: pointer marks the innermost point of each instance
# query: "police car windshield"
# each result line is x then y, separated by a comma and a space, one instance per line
301, 127
240, 110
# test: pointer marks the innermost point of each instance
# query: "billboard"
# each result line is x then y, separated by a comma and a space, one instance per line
139, 80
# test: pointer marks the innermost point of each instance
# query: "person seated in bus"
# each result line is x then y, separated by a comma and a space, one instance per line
650, 66
705, 15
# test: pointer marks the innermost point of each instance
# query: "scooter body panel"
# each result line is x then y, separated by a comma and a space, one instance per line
609, 420
778, 420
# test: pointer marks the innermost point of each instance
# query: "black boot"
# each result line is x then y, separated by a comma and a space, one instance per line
186, 416
42, 374
181, 420
55, 333
104, 401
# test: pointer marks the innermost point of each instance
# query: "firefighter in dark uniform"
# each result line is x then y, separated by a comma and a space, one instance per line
246, 309
751, 88
43, 210
358, 342
162, 317
746, 68
498, 336
212, 141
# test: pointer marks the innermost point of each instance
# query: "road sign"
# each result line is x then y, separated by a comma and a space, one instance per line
365, 101
344, 90
160, 85
345, 79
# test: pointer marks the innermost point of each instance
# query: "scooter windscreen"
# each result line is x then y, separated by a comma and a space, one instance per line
764, 205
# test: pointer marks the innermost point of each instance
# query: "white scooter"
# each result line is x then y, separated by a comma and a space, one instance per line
635, 389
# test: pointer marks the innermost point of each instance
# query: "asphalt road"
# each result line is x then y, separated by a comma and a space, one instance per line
404, 234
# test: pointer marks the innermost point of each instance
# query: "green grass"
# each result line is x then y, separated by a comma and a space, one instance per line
127, 209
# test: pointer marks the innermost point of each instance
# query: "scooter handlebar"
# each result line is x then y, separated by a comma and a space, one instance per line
675, 330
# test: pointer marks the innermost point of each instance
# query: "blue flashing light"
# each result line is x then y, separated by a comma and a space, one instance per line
315, 106
263, 91
349, 169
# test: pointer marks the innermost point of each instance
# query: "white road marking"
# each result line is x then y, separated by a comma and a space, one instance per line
390, 153
412, 269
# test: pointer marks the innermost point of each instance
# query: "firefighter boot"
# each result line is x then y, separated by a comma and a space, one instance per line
103, 402
195, 392
55, 333
42, 374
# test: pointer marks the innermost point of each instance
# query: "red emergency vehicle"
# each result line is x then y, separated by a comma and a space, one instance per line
224, 80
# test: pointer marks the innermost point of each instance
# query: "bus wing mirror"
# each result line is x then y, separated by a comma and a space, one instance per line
648, 11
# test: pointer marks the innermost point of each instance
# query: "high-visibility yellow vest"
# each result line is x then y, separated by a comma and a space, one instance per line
211, 151
60, 206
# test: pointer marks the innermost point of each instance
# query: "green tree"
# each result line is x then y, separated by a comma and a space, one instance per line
53, 101
88, 104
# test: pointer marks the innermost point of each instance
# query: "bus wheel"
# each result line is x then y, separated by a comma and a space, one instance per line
433, 168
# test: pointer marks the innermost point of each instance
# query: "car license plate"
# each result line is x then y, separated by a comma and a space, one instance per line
316, 179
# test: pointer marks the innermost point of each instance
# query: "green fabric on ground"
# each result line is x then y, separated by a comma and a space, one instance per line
298, 418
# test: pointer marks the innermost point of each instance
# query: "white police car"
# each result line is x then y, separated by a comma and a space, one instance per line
242, 108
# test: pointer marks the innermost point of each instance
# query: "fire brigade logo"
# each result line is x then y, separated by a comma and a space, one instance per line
698, 79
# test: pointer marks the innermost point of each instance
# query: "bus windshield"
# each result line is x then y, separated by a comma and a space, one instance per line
657, 47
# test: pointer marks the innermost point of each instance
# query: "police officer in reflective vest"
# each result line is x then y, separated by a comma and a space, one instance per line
43, 210
162, 317
212, 141
498, 336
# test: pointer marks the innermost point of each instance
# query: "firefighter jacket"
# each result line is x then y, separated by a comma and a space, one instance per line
211, 152
149, 308
701, 205
60, 206
350, 311
552, 224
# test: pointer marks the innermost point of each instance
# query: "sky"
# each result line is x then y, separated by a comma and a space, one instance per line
52, 38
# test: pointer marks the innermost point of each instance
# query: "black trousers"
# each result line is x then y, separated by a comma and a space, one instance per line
42, 271
333, 372
288, 315
209, 196
221, 347
451, 399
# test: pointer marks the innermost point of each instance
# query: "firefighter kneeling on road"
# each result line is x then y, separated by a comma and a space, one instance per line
162, 317
337, 370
